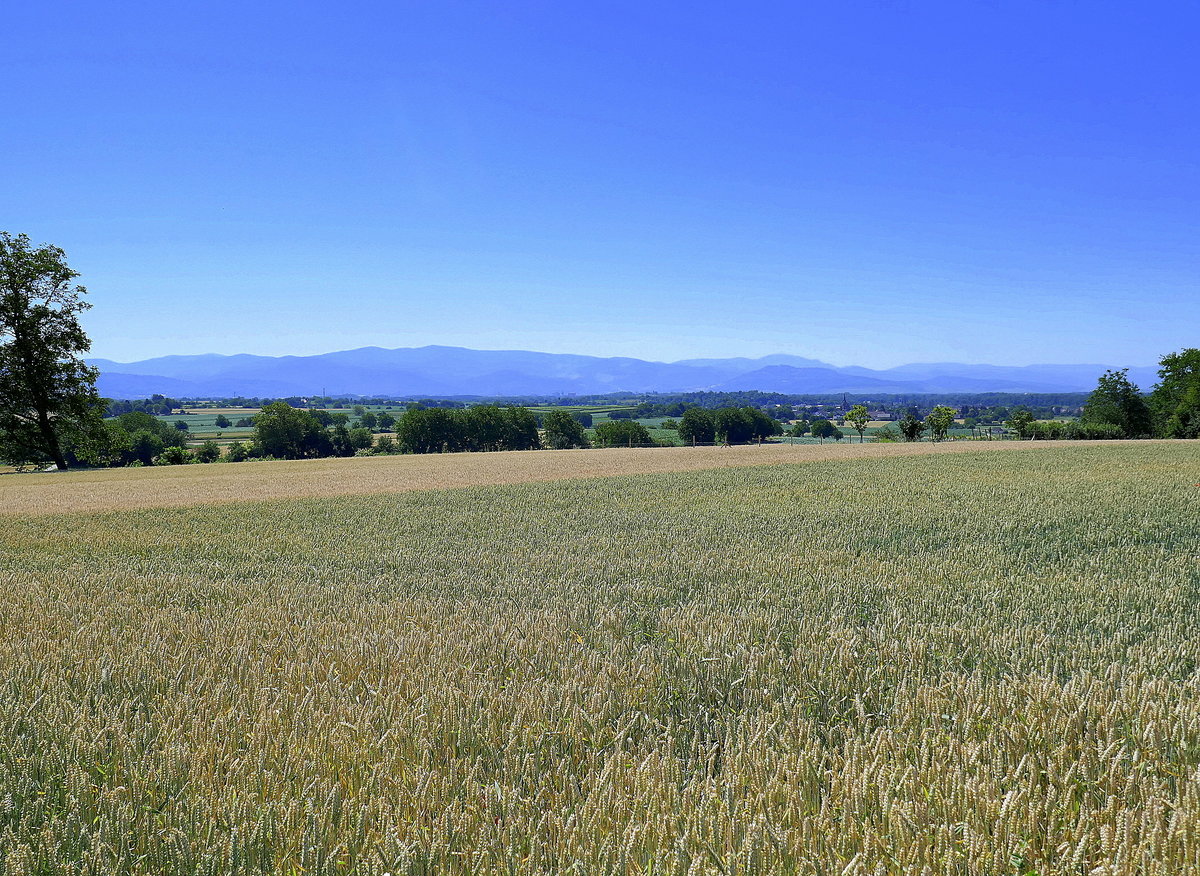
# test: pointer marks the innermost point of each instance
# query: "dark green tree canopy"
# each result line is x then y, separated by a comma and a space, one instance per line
1020, 422
622, 433
698, 426
822, 428
564, 432
481, 427
745, 424
1176, 398
48, 399
290, 433
911, 427
1116, 401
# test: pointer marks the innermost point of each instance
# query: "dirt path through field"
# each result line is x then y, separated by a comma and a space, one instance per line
175, 486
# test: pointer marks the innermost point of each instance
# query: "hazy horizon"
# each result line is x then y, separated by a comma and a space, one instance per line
646, 358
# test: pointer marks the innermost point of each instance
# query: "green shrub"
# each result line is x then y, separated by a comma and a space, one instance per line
174, 456
207, 452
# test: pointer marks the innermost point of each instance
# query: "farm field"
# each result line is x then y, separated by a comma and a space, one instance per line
885, 660
167, 486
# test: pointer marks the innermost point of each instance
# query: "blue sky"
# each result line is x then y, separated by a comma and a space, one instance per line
866, 183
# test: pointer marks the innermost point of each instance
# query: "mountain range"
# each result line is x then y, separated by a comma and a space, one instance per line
436, 371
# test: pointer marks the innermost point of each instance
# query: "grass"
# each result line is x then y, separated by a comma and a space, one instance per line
874, 663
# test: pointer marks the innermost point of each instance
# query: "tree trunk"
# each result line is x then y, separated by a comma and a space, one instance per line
51, 439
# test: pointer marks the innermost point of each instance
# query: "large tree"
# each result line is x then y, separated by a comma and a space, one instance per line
428, 430
285, 432
564, 432
858, 419
1021, 422
48, 400
698, 426
1118, 402
912, 427
939, 421
521, 430
822, 428
1176, 398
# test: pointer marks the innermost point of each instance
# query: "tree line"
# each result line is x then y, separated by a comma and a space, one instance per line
1117, 408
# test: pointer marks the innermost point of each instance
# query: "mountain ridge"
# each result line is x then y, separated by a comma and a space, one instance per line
436, 370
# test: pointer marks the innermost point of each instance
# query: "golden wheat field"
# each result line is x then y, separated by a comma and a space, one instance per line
186, 485
950, 663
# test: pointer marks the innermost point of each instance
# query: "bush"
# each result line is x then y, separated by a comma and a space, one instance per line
1050, 430
237, 452
622, 433
564, 432
174, 456
209, 451
698, 426
1054, 430
1092, 431
144, 447
360, 438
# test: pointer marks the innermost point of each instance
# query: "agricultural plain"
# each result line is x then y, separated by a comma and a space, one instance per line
949, 663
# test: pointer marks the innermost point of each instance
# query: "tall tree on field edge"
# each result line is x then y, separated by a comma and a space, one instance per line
48, 400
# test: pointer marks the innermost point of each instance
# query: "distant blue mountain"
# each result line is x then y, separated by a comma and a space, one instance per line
456, 371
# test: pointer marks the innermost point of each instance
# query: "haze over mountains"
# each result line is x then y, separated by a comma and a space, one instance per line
436, 371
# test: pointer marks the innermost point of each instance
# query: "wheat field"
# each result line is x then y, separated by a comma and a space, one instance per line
187, 485
948, 663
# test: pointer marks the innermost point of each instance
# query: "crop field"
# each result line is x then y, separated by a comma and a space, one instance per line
183, 485
876, 662
202, 423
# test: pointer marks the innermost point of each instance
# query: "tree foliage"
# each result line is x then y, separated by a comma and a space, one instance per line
1020, 422
48, 400
822, 428
745, 424
697, 426
622, 433
939, 421
564, 431
1175, 401
478, 428
858, 418
237, 452
285, 432
209, 451
911, 427
1116, 401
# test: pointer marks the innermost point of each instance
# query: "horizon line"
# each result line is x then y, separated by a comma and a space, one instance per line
594, 356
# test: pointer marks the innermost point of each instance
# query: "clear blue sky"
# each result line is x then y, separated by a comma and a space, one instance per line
866, 183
